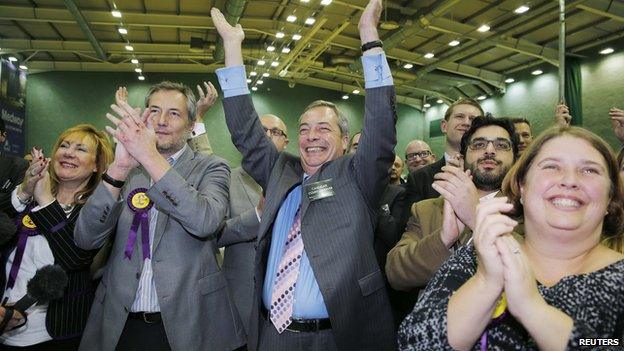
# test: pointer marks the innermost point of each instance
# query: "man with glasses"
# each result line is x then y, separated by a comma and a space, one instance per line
246, 204
418, 155
438, 226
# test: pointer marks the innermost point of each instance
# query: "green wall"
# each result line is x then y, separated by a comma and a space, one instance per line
58, 100
535, 98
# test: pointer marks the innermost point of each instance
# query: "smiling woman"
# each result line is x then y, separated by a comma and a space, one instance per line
555, 288
47, 204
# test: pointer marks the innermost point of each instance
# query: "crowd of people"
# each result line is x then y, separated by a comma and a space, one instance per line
506, 241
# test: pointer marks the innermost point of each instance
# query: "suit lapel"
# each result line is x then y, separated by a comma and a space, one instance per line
249, 187
291, 175
183, 166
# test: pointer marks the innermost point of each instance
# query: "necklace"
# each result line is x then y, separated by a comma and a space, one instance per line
67, 208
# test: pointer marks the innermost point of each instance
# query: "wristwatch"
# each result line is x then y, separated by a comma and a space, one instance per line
112, 181
372, 44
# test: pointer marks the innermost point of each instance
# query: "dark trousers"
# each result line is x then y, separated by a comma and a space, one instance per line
52, 345
139, 335
271, 340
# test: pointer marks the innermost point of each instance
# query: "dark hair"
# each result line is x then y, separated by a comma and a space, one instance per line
481, 122
2, 126
620, 157
614, 219
516, 120
179, 87
471, 102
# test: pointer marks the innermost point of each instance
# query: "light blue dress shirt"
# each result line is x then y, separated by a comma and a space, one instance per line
308, 302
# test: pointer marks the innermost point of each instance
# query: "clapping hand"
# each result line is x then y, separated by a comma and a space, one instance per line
617, 122
562, 115
34, 173
457, 187
136, 140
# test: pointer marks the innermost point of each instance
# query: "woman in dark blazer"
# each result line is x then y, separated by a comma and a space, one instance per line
46, 206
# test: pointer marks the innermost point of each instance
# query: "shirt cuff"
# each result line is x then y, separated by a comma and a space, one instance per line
17, 204
198, 129
233, 81
257, 214
376, 71
38, 207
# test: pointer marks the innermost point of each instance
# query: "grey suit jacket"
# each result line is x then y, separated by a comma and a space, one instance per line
238, 260
337, 231
196, 308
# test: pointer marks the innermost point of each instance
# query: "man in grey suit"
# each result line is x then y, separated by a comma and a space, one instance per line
162, 288
318, 284
245, 195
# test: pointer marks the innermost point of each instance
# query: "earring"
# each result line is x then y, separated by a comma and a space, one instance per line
521, 201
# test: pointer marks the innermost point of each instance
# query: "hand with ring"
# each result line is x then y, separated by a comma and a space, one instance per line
34, 173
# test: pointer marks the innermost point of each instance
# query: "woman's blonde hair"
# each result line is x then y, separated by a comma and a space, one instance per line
614, 219
103, 157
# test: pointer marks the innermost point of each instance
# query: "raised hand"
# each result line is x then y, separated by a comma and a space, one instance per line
457, 187
562, 115
134, 139
491, 224
206, 100
232, 38
121, 96
369, 22
617, 122
33, 174
43, 188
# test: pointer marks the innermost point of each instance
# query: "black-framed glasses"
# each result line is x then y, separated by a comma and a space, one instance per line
500, 144
276, 132
421, 154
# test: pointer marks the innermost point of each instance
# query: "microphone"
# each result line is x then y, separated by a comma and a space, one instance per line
7, 228
48, 284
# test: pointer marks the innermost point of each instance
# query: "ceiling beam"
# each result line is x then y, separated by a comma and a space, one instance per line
604, 9
84, 26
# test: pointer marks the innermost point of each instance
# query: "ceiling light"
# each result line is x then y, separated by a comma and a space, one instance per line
296, 36
129, 48
116, 13
429, 55
254, 88
12, 58
439, 101
261, 62
306, 1
280, 34
427, 105
345, 97
286, 50
484, 28
408, 66
265, 74
454, 43
135, 61
122, 30
270, 48
260, 82
138, 70
509, 80
291, 18
537, 72
252, 73
607, 51
355, 91
248, 80
522, 9
23, 67
310, 21
274, 64
326, 2
482, 97
141, 78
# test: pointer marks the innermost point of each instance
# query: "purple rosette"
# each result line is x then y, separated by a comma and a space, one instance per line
140, 204
26, 228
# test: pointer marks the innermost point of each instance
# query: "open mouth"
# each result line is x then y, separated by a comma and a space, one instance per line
314, 149
566, 203
68, 165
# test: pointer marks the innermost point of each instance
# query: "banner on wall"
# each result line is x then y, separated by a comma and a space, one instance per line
13, 107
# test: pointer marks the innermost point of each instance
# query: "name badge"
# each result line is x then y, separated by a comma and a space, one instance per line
319, 190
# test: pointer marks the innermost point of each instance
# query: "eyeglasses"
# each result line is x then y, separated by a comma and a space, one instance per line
421, 154
500, 144
276, 132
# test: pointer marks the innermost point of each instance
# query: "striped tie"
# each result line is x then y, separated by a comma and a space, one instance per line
283, 296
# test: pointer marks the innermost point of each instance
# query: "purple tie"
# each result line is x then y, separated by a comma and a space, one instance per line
283, 295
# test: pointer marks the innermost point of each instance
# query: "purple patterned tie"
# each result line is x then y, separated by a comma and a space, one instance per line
283, 295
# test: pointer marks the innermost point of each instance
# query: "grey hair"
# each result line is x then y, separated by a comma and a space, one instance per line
188, 93
343, 122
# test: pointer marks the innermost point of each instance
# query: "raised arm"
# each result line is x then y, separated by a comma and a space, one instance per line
259, 153
375, 151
